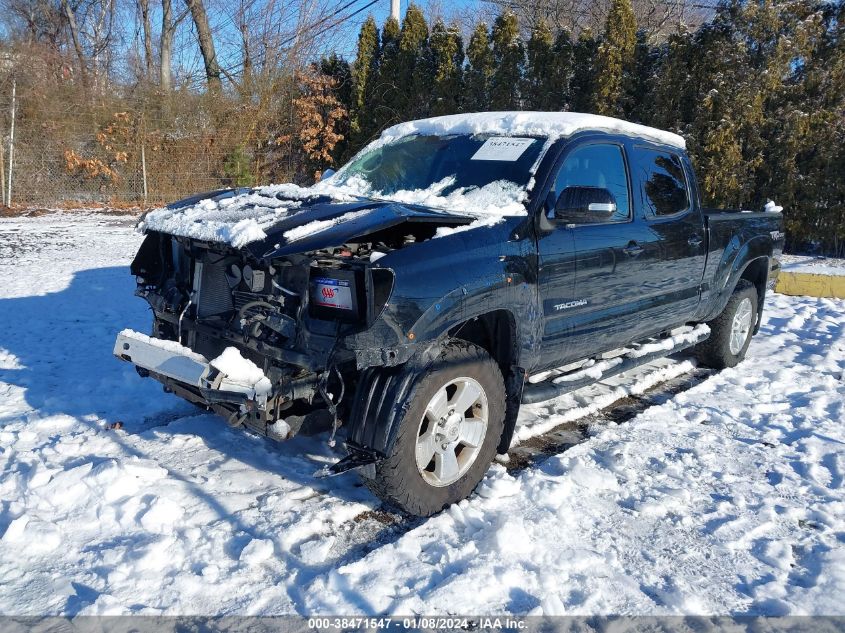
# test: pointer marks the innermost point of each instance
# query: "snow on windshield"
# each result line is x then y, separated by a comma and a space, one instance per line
499, 198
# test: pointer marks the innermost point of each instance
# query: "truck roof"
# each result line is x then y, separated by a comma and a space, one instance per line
549, 124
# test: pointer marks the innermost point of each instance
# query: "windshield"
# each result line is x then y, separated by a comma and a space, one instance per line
478, 173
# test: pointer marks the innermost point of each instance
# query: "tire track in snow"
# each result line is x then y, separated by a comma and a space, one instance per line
340, 543
374, 529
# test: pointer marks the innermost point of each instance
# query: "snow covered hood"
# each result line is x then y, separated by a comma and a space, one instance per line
553, 125
270, 221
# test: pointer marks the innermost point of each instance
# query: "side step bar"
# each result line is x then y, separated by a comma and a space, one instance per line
560, 385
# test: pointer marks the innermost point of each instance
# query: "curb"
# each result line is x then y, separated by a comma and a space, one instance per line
811, 285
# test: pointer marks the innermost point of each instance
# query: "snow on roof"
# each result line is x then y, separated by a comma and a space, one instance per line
548, 124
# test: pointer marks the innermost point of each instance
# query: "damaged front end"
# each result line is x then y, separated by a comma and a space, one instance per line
286, 317
304, 320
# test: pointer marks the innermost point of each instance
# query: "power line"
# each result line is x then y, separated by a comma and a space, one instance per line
260, 58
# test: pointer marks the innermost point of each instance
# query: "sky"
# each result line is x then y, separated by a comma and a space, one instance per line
341, 40
448, 9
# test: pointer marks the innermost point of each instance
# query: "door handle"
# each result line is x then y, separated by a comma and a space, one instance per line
695, 241
633, 249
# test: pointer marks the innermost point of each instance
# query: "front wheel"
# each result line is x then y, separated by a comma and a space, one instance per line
731, 331
448, 434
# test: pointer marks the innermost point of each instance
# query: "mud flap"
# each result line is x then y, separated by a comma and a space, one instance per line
514, 384
358, 458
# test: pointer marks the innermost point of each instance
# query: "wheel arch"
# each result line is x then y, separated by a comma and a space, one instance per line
750, 264
381, 393
497, 333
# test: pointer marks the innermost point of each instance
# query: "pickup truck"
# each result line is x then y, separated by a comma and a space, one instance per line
414, 299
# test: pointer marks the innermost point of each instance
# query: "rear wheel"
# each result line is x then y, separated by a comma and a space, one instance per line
731, 331
448, 434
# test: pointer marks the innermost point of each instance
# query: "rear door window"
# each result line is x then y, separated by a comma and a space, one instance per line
663, 183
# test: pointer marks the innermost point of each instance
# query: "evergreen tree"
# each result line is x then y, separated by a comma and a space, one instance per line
448, 59
726, 114
508, 63
363, 71
814, 200
639, 88
342, 88
564, 63
675, 90
538, 89
386, 102
615, 59
583, 84
415, 69
476, 96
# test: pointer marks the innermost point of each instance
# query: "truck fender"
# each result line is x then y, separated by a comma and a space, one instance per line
730, 272
381, 400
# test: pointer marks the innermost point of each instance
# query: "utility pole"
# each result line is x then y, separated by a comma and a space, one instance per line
394, 10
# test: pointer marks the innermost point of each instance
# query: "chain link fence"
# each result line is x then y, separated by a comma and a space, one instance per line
47, 173
83, 151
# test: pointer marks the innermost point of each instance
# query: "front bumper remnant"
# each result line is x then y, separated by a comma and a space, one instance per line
172, 360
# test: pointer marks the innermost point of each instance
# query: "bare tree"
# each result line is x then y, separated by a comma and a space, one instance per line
70, 14
99, 37
657, 18
34, 21
169, 25
243, 22
213, 72
144, 7
168, 30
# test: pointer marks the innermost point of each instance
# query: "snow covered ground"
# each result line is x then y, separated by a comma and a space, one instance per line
727, 498
813, 265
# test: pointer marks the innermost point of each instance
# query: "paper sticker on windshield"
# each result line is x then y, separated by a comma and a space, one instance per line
505, 148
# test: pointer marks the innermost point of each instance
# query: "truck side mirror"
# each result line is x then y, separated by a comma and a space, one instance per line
585, 205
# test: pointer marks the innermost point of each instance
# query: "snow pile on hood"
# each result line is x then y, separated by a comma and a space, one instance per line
773, 207
307, 230
241, 374
549, 124
236, 219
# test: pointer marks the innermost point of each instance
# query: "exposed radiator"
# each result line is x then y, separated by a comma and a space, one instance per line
214, 295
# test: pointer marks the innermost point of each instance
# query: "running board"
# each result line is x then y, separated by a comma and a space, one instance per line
585, 376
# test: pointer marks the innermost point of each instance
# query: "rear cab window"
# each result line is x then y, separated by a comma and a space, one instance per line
662, 182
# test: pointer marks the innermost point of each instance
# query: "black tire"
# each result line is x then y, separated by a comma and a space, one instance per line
398, 481
716, 351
